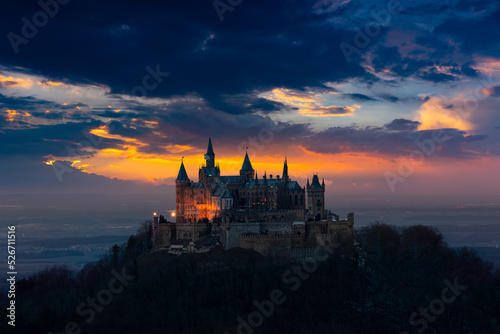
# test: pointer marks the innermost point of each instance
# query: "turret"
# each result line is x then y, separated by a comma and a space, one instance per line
210, 155
285, 172
181, 183
182, 177
247, 171
316, 198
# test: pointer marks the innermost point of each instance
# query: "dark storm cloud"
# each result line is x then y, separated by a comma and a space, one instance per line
390, 98
46, 140
113, 42
424, 67
454, 146
293, 44
38, 108
354, 139
475, 35
384, 140
402, 124
334, 110
30, 176
24, 103
358, 97
245, 104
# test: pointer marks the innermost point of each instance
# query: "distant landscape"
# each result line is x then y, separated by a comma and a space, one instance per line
55, 230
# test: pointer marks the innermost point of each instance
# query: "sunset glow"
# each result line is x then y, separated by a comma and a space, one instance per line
343, 120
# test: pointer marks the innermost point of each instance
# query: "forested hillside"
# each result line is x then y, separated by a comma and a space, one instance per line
390, 281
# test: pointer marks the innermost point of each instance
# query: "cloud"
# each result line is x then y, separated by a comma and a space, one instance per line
241, 57
440, 112
480, 32
493, 91
400, 137
311, 103
34, 177
45, 140
358, 97
329, 111
235, 79
402, 124
390, 98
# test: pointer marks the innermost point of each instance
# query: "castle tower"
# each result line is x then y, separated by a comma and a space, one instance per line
285, 177
247, 171
181, 184
210, 155
316, 197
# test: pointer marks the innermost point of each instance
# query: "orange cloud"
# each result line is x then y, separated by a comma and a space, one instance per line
12, 114
310, 103
49, 83
11, 82
487, 65
103, 131
178, 148
439, 112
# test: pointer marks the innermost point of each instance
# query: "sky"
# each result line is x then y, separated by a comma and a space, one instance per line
376, 97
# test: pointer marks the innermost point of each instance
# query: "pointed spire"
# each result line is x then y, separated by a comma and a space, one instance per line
182, 176
247, 165
210, 150
285, 171
307, 182
315, 181
323, 183
265, 178
256, 179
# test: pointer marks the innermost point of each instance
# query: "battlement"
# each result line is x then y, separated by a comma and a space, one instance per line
271, 236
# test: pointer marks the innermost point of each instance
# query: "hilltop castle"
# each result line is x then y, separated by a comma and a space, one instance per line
213, 193
268, 214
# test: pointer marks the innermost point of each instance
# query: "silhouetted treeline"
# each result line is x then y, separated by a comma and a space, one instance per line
390, 281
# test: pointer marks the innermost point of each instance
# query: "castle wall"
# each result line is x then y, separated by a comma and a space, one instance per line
230, 237
190, 231
276, 228
162, 235
270, 245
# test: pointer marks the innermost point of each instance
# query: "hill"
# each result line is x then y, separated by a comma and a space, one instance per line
395, 281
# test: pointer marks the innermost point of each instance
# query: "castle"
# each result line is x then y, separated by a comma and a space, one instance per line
268, 215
